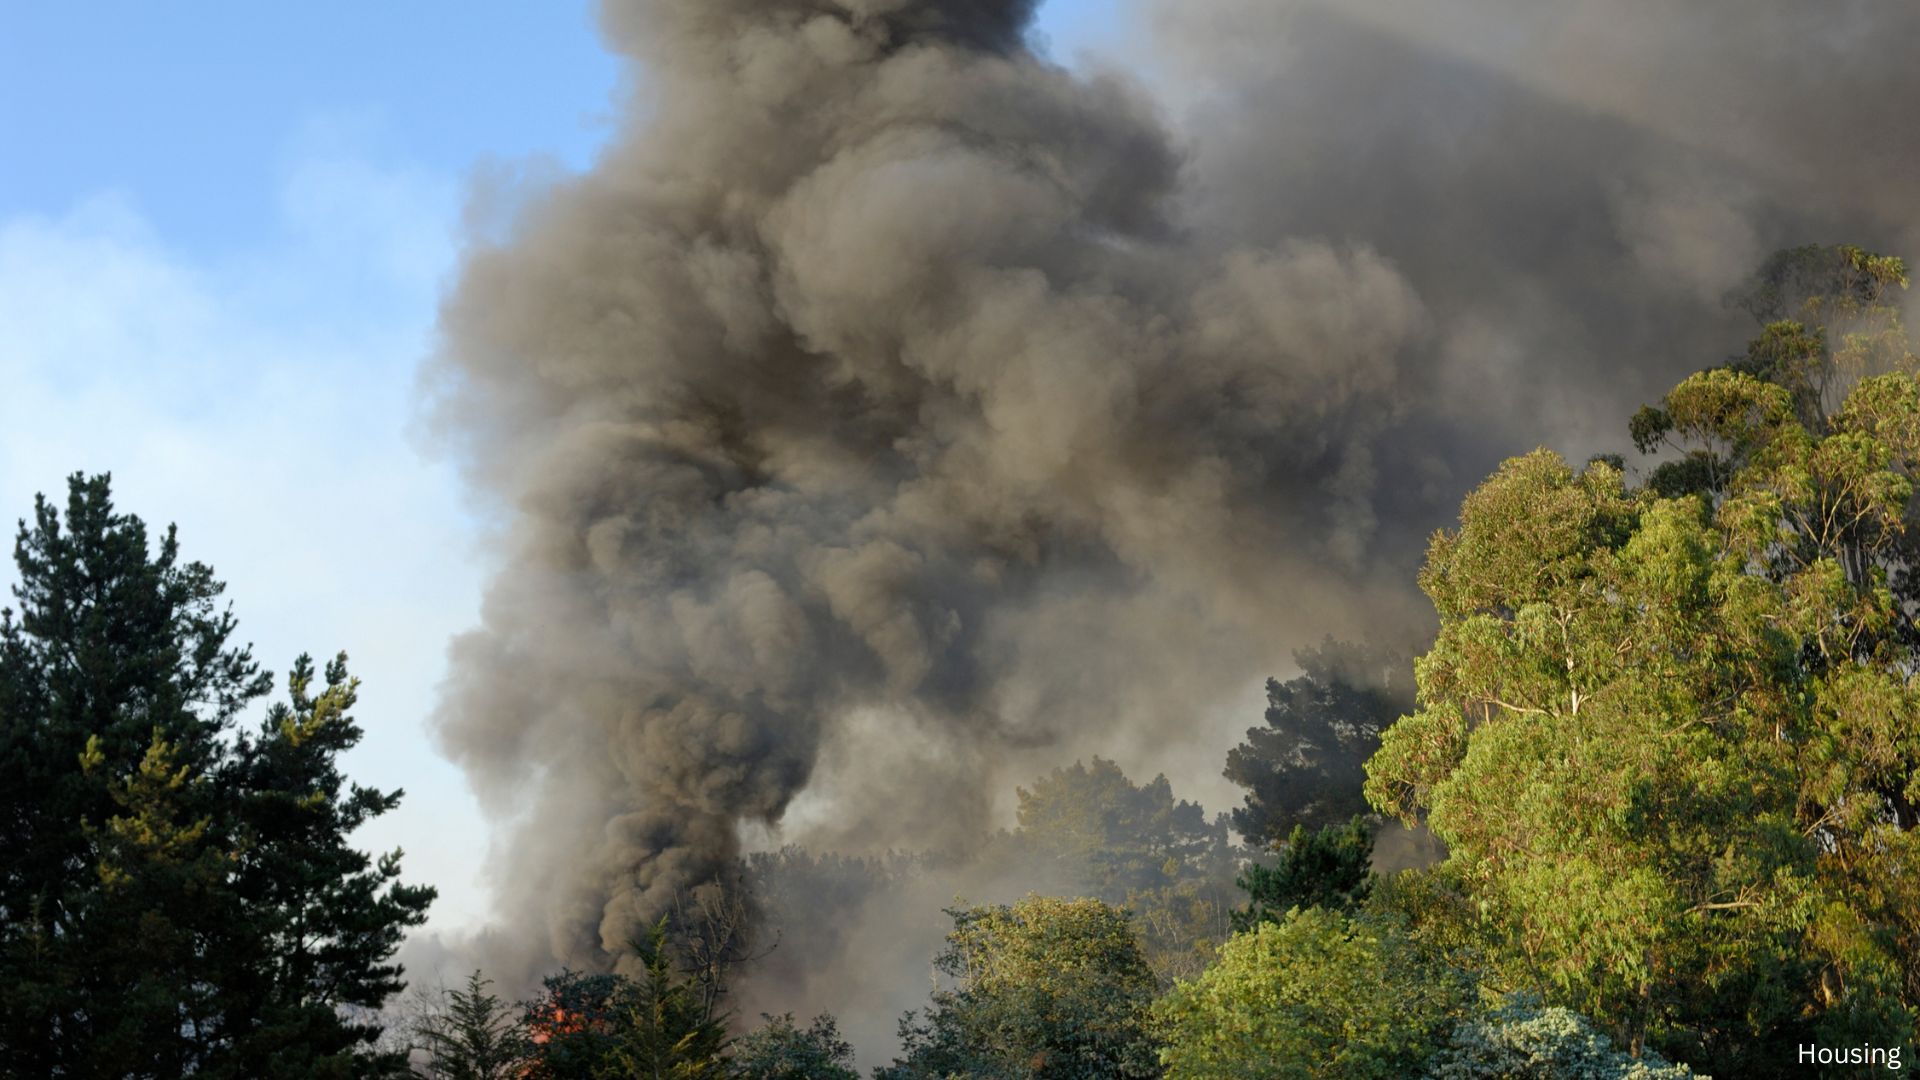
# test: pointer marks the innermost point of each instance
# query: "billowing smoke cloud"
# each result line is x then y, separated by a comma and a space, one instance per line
892, 414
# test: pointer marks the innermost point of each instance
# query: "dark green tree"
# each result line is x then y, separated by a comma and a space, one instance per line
472, 1035
103, 753
1329, 867
171, 902
1308, 764
317, 920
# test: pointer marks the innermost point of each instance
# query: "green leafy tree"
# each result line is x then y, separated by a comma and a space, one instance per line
1307, 766
1829, 319
780, 1051
145, 926
1520, 1039
1329, 867
1672, 735
1046, 989
1829, 316
1314, 994
473, 1035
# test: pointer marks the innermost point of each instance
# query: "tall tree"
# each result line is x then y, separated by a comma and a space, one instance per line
170, 902
1307, 766
316, 921
1673, 735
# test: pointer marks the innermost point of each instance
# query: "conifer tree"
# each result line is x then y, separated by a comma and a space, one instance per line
668, 1029
474, 1036
172, 901
1329, 867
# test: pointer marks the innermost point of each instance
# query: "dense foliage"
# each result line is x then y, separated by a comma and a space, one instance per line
1044, 989
174, 898
1519, 1039
1672, 735
1329, 868
1314, 994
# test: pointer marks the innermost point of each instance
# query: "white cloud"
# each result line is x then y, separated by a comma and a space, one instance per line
261, 400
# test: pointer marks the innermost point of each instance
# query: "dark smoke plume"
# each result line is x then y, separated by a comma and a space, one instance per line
892, 414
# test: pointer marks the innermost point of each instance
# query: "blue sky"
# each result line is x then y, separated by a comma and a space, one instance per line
223, 231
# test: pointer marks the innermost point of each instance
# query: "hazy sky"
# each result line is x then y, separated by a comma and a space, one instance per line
223, 232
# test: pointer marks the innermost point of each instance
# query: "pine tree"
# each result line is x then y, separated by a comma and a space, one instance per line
116, 681
1329, 867
668, 1030
475, 1036
1308, 764
171, 902
318, 919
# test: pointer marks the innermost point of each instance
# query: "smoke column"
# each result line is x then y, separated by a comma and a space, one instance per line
892, 414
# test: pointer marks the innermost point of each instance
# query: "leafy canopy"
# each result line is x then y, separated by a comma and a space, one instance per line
1046, 989
1672, 735
1315, 993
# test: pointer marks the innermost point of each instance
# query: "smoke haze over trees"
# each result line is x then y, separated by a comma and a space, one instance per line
892, 414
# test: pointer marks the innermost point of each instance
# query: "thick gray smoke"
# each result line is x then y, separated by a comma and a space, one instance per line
892, 414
